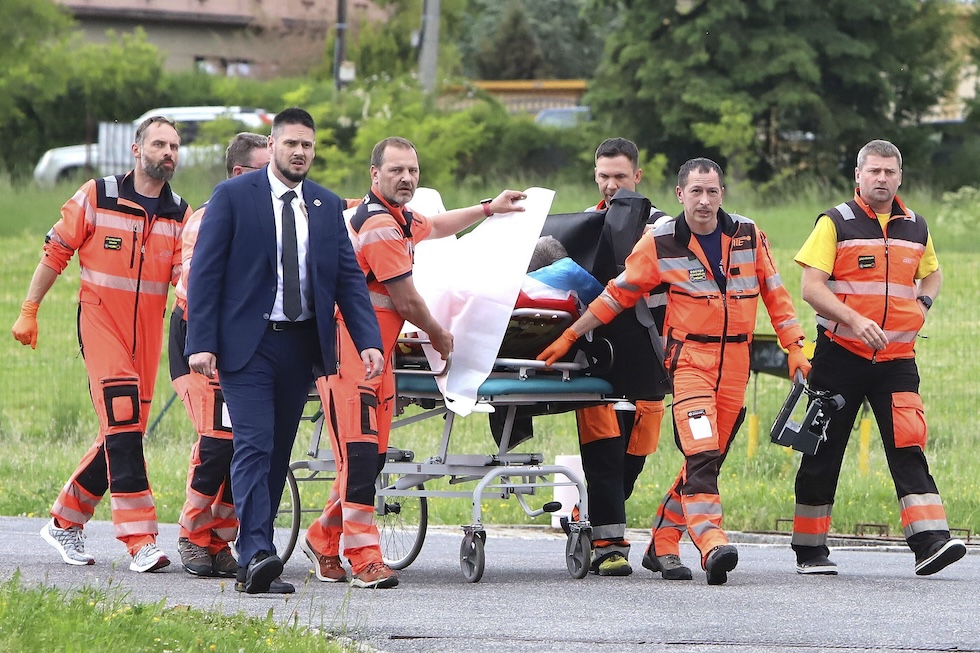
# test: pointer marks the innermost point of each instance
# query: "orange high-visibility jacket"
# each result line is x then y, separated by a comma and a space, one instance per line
697, 309
874, 273
128, 260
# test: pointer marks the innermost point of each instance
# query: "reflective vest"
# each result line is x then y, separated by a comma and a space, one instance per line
874, 273
697, 309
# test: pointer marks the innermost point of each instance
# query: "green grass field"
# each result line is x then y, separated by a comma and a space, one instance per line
46, 420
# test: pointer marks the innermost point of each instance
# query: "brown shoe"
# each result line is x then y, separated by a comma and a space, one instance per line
376, 574
225, 564
327, 568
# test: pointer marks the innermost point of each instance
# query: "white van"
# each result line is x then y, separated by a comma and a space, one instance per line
63, 162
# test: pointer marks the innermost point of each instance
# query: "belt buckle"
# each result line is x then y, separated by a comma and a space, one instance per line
278, 326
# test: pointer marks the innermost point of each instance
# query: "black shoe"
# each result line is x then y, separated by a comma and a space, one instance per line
669, 566
939, 556
819, 565
261, 572
721, 560
277, 586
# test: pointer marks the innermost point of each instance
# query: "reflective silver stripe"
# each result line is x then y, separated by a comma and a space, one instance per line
787, 324
845, 211
621, 283
813, 512
123, 283
742, 257
918, 526
743, 284
111, 187
168, 228
122, 529
131, 501
703, 508
379, 234
609, 301
113, 220
908, 244
380, 300
674, 263
842, 287
609, 532
656, 300
844, 331
861, 243
809, 539
371, 208
701, 528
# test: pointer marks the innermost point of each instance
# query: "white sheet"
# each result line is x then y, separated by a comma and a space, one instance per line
470, 285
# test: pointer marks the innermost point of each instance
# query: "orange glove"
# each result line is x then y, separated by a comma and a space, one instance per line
25, 328
798, 361
559, 347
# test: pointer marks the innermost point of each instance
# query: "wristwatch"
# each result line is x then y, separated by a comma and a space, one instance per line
926, 301
486, 206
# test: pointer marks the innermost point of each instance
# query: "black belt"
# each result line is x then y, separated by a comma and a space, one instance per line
286, 325
697, 337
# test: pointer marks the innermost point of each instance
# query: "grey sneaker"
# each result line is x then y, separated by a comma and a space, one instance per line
669, 565
149, 558
195, 558
69, 542
819, 565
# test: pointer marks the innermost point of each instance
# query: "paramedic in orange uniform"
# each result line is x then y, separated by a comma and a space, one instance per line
207, 520
358, 412
614, 444
716, 266
126, 230
871, 273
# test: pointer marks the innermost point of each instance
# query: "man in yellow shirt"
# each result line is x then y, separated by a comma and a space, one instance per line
871, 273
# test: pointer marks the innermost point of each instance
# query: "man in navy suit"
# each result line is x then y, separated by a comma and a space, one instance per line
272, 260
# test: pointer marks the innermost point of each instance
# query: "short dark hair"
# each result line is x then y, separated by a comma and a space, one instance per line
143, 126
239, 152
699, 164
612, 147
882, 148
293, 116
378, 153
546, 251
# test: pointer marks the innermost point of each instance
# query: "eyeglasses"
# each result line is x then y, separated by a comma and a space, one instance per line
250, 167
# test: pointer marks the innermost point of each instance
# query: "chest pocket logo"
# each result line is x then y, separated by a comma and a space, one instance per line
698, 275
113, 242
866, 262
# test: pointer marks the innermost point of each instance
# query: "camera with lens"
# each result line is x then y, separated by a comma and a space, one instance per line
805, 436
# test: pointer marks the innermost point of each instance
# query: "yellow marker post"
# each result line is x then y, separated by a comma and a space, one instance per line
753, 435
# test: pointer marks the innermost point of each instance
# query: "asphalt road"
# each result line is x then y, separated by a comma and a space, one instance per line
527, 601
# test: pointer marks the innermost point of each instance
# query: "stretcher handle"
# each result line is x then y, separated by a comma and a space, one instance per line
423, 341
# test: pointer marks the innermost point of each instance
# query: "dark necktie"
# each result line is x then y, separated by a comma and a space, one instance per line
292, 306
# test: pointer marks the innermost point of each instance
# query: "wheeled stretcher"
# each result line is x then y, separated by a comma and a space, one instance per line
517, 385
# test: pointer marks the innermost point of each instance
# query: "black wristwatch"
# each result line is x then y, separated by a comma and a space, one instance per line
926, 301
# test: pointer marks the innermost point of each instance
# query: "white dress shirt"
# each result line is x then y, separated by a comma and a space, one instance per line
302, 245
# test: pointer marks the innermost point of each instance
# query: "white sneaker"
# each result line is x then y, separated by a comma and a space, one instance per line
149, 558
69, 542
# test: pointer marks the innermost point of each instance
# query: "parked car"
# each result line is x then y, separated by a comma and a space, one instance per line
563, 117
74, 160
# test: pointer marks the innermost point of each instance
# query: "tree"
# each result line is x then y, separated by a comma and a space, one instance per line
839, 70
568, 39
511, 51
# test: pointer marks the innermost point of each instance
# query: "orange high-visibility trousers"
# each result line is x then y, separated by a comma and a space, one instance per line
121, 380
208, 515
709, 381
357, 416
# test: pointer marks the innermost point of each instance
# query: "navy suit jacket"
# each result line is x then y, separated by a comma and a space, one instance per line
233, 279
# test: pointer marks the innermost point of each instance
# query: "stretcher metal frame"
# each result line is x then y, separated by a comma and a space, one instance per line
401, 510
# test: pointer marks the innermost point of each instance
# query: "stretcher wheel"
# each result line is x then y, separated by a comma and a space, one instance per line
472, 558
578, 553
285, 528
402, 522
